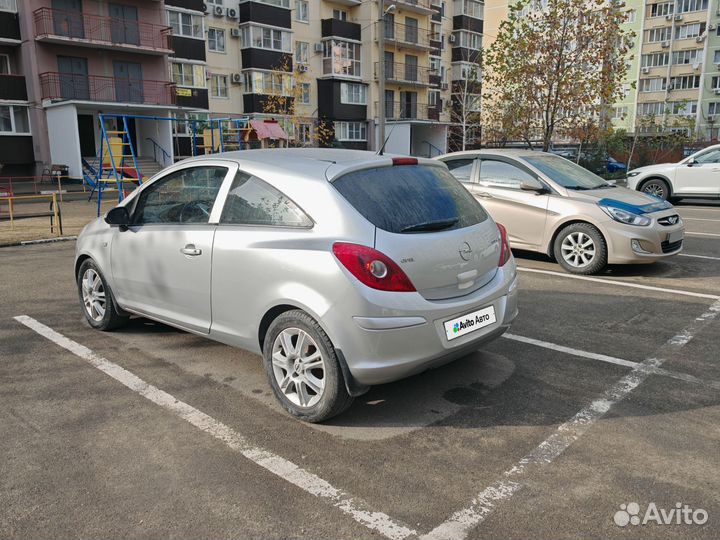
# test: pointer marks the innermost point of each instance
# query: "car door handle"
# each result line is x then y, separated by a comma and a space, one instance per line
484, 195
191, 250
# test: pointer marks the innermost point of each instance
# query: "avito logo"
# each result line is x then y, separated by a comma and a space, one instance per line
682, 514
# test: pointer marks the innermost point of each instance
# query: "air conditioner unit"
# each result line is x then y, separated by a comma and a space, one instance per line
665, 44
235, 32
700, 39
236, 78
711, 27
205, 8
690, 116
451, 38
302, 68
717, 91
319, 47
218, 11
678, 17
646, 70
231, 13
711, 118
668, 17
444, 86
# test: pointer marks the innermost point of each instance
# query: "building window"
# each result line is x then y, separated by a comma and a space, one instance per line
683, 107
184, 74
685, 83
620, 113
186, 24
279, 3
714, 107
655, 59
630, 16
653, 85
350, 131
302, 49
683, 6
302, 10
304, 133
433, 99
216, 40
436, 32
715, 83
662, 9
14, 120
341, 58
305, 93
472, 8
262, 37
4, 64
275, 83
468, 40
219, 86
8, 5
340, 15
214, 2
688, 31
353, 94
687, 57
658, 34
651, 109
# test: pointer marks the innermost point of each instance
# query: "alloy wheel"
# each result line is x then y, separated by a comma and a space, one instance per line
299, 367
578, 249
655, 189
93, 293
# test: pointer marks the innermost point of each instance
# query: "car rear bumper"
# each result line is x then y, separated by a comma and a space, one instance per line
381, 345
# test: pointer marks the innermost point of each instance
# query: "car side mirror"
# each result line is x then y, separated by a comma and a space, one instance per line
532, 186
118, 216
691, 162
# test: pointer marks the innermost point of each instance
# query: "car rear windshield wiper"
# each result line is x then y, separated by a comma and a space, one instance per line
606, 186
578, 188
437, 225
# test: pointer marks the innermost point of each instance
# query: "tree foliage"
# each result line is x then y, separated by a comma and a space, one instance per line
555, 65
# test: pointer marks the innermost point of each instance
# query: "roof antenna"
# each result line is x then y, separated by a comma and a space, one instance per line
382, 148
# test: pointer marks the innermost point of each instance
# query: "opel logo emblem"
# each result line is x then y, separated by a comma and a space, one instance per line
465, 251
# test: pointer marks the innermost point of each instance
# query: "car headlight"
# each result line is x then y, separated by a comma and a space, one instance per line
626, 217
632, 173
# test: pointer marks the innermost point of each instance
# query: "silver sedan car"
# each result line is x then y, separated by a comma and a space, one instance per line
344, 269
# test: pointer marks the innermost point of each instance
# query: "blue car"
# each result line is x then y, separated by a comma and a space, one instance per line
613, 165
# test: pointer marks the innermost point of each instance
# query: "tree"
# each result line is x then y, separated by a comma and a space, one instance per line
465, 101
554, 65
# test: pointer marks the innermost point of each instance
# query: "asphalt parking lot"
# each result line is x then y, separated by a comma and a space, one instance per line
605, 393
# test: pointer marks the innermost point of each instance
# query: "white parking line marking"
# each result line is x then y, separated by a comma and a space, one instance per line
699, 219
698, 256
307, 481
690, 233
613, 360
621, 283
460, 524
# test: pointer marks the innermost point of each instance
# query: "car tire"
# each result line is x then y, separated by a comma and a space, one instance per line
308, 382
580, 249
97, 300
657, 187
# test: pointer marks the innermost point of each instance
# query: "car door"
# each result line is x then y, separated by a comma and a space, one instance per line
699, 176
161, 264
263, 239
523, 213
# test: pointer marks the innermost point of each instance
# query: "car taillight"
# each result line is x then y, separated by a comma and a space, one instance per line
404, 161
505, 252
372, 268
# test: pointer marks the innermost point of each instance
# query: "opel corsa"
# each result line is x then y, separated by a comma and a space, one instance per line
553, 206
343, 269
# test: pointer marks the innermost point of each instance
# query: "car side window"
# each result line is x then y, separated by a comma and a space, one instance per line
461, 168
713, 156
494, 173
252, 201
184, 196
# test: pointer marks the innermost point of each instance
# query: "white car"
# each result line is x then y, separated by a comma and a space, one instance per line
698, 175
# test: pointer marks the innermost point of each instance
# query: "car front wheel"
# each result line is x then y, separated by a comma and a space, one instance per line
303, 368
97, 299
581, 249
657, 188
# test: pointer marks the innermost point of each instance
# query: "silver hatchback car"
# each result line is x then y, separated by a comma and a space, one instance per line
344, 269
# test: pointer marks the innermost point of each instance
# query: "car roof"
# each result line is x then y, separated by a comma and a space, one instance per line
509, 152
318, 163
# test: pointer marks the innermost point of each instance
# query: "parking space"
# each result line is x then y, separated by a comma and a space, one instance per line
606, 392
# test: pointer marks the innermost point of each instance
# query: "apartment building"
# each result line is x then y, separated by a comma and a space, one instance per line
324, 55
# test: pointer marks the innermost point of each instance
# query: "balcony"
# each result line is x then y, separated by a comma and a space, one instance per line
408, 36
9, 28
402, 110
341, 29
407, 74
418, 6
65, 86
12, 87
82, 29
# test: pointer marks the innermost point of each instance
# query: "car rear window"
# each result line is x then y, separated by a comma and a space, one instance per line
403, 198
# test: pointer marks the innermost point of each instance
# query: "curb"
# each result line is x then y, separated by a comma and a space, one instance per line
41, 241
